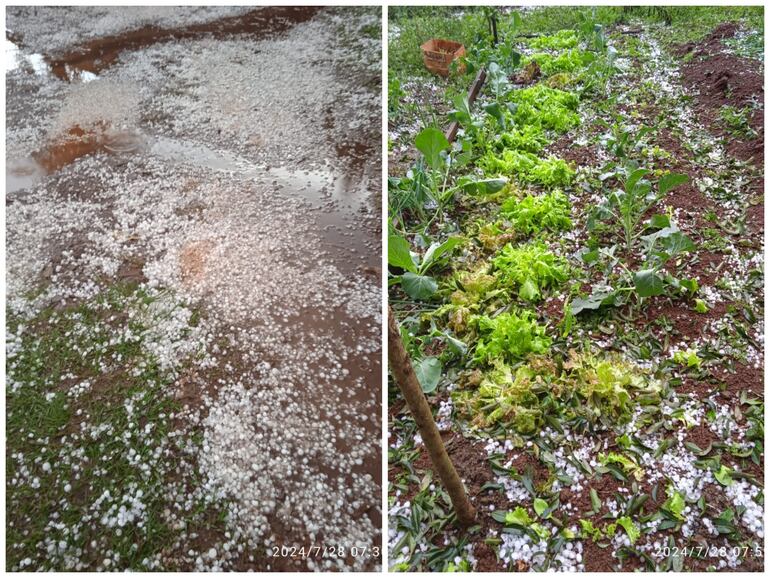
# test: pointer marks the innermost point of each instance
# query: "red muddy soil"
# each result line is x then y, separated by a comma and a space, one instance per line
726, 79
101, 53
744, 378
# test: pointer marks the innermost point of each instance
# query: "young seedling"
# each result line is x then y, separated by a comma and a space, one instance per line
415, 281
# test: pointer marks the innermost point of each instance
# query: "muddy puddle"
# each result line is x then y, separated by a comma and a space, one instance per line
338, 196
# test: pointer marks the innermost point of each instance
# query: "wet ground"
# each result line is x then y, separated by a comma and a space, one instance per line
227, 159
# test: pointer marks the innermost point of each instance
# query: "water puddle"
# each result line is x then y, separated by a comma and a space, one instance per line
336, 198
22, 174
38, 64
322, 187
65, 150
15, 59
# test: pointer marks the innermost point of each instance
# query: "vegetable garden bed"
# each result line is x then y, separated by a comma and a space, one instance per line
579, 281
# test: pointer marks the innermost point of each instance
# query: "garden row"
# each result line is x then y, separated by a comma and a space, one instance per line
578, 280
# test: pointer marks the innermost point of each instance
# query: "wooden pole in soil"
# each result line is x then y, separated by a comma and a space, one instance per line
473, 92
403, 373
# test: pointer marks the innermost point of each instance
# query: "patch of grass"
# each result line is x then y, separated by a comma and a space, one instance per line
551, 19
749, 45
691, 23
89, 454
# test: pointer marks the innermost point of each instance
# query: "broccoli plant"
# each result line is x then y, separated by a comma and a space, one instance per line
414, 280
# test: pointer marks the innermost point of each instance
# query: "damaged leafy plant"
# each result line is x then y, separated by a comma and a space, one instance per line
650, 280
585, 388
427, 184
530, 269
414, 281
627, 205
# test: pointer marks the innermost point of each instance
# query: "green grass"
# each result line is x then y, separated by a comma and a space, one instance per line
112, 437
691, 23
752, 45
417, 26
467, 24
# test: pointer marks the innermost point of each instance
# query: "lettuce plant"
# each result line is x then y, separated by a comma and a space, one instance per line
558, 41
549, 108
529, 138
530, 268
587, 387
529, 168
532, 214
510, 336
567, 61
508, 397
606, 385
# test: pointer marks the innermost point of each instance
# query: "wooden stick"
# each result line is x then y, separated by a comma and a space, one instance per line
403, 373
451, 133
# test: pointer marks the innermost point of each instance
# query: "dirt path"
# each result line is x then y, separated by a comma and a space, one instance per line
219, 166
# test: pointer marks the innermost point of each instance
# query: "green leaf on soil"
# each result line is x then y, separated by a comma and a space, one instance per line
431, 142
399, 253
596, 503
428, 373
675, 505
670, 181
648, 283
724, 475
631, 529
418, 287
482, 186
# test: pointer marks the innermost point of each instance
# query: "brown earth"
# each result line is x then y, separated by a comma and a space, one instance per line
192, 260
722, 79
744, 378
99, 54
